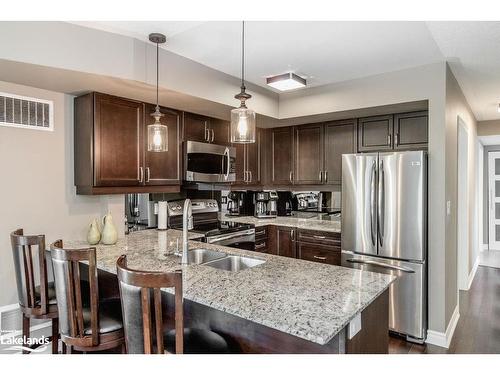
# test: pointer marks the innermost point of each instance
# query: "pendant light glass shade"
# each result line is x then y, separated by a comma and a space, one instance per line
242, 125
157, 132
243, 119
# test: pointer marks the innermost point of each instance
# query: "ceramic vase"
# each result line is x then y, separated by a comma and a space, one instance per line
109, 234
93, 234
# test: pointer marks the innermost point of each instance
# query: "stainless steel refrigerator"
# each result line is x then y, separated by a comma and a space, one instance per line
384, 229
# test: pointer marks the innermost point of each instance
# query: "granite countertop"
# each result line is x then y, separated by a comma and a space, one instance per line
309, 300
331, 225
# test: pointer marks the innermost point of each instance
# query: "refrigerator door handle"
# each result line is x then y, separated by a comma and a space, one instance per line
383, 265
372, 203
381, 204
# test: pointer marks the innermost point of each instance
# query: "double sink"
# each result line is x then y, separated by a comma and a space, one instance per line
222, 261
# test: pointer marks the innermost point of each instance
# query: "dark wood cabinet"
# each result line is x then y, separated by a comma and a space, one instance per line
248, 159
118, 141
319, 246
111, 155
375, 133
411, 130
309, 154
164, 168
318, 253
205, 129
196, 128
281, 156
219, 130
340, 138
284, 241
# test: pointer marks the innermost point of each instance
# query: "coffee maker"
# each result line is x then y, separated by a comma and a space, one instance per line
236, 203
285, 204
266, 204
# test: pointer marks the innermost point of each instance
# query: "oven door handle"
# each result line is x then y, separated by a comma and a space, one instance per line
230, 236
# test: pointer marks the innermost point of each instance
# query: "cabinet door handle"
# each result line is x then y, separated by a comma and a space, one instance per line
141, 174
396, 139
291, 176
147, 174
260, 232
388, 139
320, 176
250, 176
260, 246
213, 135
292, 234
325, 174
246, 177
319, 237
206, 132
319, 258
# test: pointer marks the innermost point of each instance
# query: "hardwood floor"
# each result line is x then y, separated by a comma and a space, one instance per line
478, 329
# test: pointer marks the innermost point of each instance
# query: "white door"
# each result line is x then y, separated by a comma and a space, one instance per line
494, 200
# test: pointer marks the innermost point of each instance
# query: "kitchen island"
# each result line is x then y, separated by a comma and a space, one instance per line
280, 306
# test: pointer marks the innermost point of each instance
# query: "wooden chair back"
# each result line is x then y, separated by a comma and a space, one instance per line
69, 294
136, 289
26, 251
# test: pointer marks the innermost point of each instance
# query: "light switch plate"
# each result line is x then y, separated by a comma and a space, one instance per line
354, 326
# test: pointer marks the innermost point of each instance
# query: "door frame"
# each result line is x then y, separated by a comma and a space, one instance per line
492, 245
462, 205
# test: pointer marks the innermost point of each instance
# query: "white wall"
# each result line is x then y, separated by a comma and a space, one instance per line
37, 185
76, 48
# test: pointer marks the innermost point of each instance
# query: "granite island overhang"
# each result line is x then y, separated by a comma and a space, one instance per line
283, 305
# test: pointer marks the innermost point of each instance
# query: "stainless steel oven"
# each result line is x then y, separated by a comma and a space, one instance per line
207, 162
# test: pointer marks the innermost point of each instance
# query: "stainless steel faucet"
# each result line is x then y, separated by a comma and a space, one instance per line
187, 224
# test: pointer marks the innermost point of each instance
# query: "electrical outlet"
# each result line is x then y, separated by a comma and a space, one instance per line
354, 326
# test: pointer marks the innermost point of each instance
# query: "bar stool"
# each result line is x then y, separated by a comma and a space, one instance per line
37, 300
143, 315
86, 324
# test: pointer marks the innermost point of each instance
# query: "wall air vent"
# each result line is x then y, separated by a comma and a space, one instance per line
24, 112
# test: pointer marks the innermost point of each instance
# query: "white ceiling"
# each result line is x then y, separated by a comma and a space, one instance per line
329, 52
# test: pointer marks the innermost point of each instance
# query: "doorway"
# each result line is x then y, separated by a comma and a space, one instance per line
462, 207
494, 200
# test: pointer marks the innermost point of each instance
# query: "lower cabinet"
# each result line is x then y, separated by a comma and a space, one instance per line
315, 246
281, 241
318, 253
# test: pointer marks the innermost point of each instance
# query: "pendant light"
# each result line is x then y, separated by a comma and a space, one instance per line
157, 132
242, 118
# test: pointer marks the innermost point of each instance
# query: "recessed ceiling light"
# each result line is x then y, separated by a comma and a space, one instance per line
287, 81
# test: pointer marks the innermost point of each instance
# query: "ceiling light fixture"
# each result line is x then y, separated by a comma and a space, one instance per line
157, 132
242, 118
287, 81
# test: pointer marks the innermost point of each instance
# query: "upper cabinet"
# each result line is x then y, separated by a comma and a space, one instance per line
375, 133
340, 138
248, 159
111, 154
281, 156
205, 129
309, 154
402, 131
411, 130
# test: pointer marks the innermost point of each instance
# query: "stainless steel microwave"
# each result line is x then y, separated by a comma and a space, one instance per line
208, 162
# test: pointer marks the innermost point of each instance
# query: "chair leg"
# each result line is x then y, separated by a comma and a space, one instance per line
26, 331
68, 349
55, 336
63, 347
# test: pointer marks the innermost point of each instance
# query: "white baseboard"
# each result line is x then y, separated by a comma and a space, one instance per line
472, 273
485, 247
444, 339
